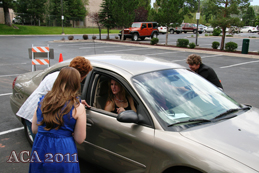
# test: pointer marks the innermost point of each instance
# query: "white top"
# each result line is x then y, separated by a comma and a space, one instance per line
28, 108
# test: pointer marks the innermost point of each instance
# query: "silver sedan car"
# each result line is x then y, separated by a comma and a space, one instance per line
183, 122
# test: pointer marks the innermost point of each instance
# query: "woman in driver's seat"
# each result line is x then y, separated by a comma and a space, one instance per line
118, 101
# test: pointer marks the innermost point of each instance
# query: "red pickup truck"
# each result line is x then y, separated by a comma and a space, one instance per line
191, 27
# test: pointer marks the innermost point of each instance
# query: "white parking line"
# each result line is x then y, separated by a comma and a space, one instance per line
98, 47
201, 57
14, 64
9, 75
161, 53
239, 64
6, 94
127, 50
12, 130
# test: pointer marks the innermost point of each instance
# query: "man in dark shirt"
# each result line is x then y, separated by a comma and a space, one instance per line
203, 70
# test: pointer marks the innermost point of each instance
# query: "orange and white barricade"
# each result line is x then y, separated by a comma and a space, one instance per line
41, 61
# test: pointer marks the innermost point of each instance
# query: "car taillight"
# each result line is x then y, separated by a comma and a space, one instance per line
14, 82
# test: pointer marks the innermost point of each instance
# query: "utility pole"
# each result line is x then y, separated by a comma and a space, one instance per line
62, 17
197, 17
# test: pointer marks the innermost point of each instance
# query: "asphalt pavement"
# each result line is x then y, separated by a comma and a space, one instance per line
238, 73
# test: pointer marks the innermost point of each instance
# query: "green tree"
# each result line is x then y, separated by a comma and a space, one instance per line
105, 15
123, 13
6, 4
249, 17
172, 12
225, 12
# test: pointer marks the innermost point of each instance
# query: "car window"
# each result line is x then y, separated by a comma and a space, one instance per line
97, 96
149, 25
155, 25
144, 25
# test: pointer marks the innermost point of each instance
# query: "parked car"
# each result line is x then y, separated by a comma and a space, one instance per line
183, 122
141, 30
203, 26
176, 30
209, 29
249, 29
162, 29
17, 20
191, 27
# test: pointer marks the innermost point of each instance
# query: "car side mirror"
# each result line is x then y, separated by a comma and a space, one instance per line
128, 116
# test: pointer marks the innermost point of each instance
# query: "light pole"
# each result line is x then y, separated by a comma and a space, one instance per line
197, 17
62, 17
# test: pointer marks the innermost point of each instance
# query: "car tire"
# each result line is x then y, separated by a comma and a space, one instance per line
194, 31
154, 35
200, 32
185, 32
171, 31
249, 31
135, 37
28, 133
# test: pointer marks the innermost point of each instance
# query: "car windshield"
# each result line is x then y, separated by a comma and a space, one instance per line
136, 25
177, 95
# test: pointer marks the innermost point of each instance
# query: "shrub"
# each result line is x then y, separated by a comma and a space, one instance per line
70, 37
231, 46
216, 31
154, 41
182, 42
229, 35
85, 37
215, 45
206, 35
93, 37
192, 45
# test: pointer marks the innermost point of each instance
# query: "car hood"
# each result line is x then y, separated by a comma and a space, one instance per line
132, 29
237, 138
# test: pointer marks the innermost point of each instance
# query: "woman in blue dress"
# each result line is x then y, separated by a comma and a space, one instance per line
59, 121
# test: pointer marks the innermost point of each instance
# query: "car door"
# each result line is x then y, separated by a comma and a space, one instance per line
119, 147
149, 29
143, 30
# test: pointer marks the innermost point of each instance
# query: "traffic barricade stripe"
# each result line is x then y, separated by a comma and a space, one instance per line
40, 62
40, 49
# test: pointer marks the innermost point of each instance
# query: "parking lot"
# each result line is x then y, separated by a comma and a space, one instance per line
239, 76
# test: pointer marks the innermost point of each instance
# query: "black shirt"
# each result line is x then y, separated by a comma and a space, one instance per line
209, 74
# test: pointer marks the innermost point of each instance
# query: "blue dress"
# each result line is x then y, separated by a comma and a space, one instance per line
54, 151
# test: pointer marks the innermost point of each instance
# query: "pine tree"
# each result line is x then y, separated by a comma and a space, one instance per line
105, 15
123, 13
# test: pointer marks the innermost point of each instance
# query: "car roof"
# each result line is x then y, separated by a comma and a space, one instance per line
129, 64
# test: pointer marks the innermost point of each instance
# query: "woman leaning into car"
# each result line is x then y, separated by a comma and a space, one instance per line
118, 101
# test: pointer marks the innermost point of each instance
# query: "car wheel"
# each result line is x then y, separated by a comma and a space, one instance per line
249, 31
154, 35
28, 133
135, 37
171, 31
185, 32
200, 32
194, 31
